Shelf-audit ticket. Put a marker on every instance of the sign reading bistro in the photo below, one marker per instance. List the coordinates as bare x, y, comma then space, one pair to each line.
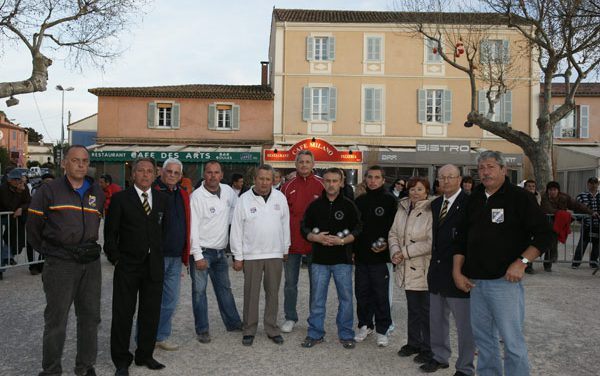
321, 149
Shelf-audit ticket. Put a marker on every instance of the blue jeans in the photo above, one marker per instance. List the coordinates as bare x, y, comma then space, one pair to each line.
218, 270
342, 276
290, 289
170, 297
584, 240
498, 307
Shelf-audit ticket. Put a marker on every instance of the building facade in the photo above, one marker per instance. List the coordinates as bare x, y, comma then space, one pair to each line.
83, 132
365, 81
14, 139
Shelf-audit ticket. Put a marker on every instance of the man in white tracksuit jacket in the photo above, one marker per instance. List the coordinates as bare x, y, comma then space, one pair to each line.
260, 238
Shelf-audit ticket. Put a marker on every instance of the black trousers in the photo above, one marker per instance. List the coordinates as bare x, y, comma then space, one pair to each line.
129, 281
371, 287
418, 320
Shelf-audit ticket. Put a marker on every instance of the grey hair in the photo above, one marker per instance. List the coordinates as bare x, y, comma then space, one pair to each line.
265, 167
492, 154
173, 161
305, 152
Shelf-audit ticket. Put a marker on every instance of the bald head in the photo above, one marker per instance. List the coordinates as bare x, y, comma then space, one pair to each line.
449, 179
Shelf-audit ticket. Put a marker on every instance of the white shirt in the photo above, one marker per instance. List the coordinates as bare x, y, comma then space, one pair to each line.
210, 219
451, 199
139, 193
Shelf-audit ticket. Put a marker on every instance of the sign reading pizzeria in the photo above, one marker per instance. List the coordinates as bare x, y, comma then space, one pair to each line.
321, 149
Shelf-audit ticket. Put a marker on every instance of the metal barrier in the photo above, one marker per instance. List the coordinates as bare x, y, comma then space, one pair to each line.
15, 250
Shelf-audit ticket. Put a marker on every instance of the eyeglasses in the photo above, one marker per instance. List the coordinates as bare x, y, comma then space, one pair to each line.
446, 178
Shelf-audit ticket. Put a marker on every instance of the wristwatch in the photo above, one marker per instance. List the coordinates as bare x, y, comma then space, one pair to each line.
524, 260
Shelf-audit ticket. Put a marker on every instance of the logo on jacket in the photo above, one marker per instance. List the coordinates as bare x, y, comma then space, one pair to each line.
212, 210
379, 211
339, 215
252, 210
92, 201
498, 215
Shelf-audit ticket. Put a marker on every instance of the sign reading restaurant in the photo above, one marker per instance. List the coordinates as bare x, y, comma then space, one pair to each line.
322, 150
186, 157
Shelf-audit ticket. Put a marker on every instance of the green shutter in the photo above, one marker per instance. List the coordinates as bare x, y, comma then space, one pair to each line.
331, 48
483, 103
151, 115
422, 106
447, 107
505, 52
212, 109
306, 110
507, 107
310, 48
584, 119
175, 116
332, 104
235, 117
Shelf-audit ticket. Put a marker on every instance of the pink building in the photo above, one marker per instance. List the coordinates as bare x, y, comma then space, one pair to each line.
14, 139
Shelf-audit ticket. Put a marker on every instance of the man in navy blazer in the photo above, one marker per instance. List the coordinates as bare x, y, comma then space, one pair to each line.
447, 213
133, 244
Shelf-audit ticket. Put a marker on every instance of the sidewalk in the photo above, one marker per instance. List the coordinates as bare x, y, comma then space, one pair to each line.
562, 330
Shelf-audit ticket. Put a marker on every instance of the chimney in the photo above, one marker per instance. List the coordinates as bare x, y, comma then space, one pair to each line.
264, 81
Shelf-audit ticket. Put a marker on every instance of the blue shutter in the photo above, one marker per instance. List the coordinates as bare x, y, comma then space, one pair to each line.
447, 107
175, 116
507, 107
212, 109
332, 104
331, 48
422, 106
377, 95
235, 117
505, 52
310, 48
584, 119
483, 103
151, 115
558, 125
368, 104
306, 110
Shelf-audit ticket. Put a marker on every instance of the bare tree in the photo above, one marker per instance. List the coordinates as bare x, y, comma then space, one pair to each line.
563, 36
87, 31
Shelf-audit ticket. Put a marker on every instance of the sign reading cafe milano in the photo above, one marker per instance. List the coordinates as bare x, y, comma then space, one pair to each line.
161, 156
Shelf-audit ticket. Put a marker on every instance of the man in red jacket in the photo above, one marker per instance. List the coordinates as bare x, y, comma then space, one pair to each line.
109, 188
299, 192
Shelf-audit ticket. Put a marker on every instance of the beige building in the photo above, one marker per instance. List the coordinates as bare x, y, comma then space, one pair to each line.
365, 82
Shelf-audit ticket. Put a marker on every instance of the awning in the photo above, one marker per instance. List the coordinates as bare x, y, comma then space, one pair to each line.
576, 157
185, 153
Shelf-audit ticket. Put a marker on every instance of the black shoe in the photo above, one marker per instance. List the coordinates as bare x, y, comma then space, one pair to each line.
310, 342
90, 372
458, 373
1, 276
433, 365
548, 269
277, 339
151, 363
122, 371
34, 271
423, 357
235, 329
407, 350
247, 340
348, 343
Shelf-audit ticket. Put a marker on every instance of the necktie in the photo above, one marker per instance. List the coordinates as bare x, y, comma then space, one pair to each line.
444, 210
146, 204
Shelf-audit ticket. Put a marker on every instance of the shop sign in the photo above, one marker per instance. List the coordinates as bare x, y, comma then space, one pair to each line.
322, 150
443, 151
186, 157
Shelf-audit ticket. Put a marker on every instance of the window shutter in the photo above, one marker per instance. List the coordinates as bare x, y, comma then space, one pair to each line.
212, 108
422, 106
584, 118
376, 108
483, 104
507, 107
310, 48
306, 104
151, 115
175, 116
505, 52
558, 125
484, 51
447, 107
331, 48
368, 104
235, 117
332, 104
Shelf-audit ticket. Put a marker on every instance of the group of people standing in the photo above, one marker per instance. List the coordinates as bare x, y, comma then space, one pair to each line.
460, 254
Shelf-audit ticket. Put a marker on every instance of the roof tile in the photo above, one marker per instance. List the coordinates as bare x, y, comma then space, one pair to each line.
253, 92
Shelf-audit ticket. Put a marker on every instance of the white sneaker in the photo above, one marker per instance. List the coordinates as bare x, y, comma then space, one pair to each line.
167, 346
382, 340
391, 329
287, 326
362, 334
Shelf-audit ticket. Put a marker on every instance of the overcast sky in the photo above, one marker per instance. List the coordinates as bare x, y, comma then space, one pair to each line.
177, 42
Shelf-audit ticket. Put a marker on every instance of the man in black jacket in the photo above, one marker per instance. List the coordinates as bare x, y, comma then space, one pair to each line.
133, 243
504, 228
448, 211
372, 278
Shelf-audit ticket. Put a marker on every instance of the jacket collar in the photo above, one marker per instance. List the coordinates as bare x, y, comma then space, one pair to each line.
88, 178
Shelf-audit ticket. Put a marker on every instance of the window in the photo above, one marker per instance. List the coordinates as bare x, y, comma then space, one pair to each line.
432, 55
374, 48
502, 108
495, 51
435, 106
575, 124
224, 116
14, 135
320, 48
319, 104
163, 115
373, 104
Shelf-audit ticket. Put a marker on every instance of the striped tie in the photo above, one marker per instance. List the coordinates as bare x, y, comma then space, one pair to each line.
146, 204
444, 210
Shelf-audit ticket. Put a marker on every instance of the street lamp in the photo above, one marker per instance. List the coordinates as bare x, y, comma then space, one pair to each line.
62, 112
